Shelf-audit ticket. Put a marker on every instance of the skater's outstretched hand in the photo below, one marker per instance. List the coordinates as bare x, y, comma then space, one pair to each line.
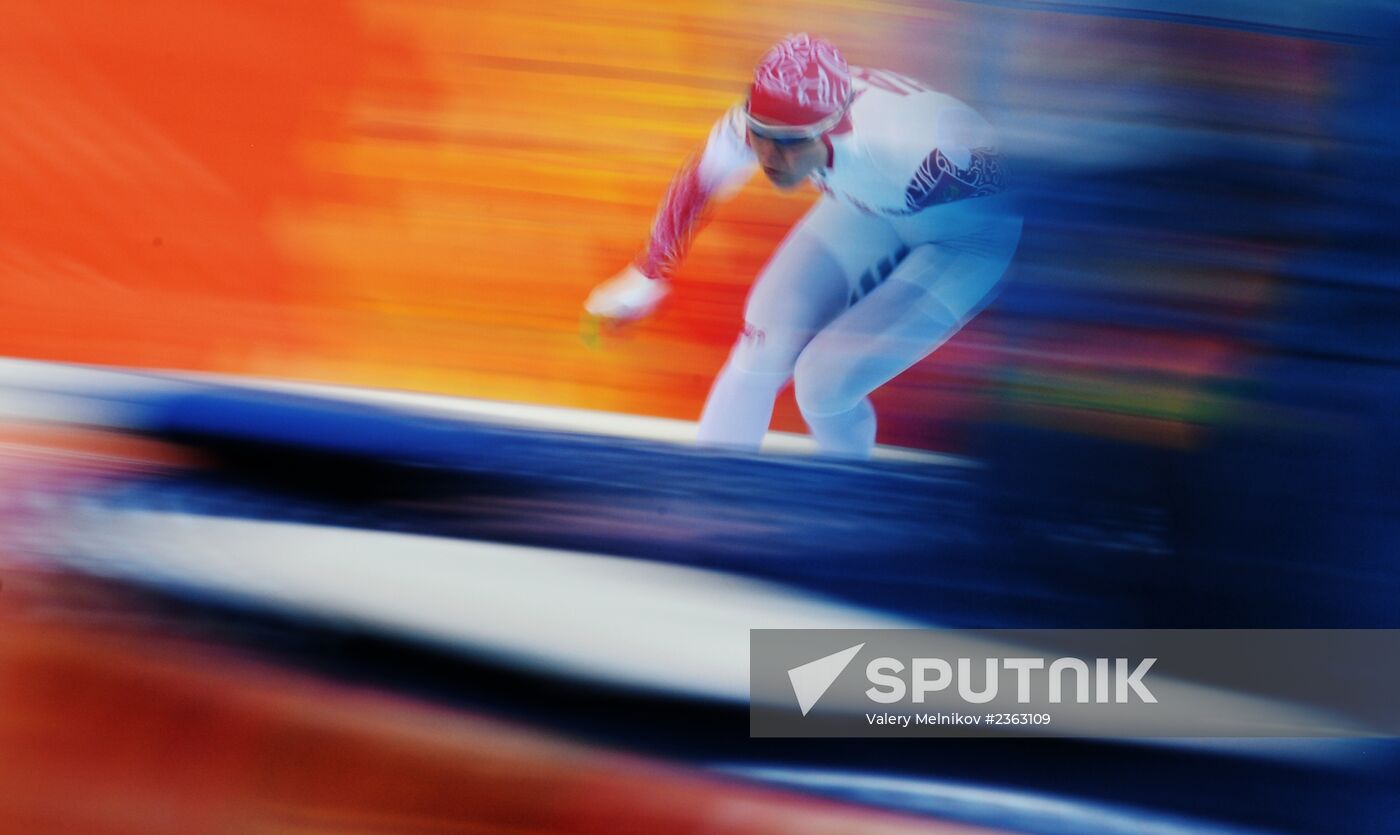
626, 297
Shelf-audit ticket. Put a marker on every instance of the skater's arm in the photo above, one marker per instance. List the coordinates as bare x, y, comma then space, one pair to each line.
724, 165
965, 162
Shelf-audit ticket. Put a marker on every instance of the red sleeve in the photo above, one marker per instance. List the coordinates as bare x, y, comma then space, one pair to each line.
682, 214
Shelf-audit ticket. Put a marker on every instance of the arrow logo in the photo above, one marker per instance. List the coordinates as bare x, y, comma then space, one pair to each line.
811, 680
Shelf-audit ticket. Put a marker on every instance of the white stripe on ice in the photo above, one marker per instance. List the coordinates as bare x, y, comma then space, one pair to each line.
632, 622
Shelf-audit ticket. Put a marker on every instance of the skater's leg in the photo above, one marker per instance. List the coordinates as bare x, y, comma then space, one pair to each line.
802, 289
928, 297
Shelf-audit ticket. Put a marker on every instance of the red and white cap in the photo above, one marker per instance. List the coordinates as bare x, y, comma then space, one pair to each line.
801, 89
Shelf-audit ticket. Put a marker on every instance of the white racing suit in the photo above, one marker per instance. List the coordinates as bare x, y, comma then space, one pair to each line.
913, 231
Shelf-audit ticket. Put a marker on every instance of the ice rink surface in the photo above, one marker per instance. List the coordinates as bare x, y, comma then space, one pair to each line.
490, 561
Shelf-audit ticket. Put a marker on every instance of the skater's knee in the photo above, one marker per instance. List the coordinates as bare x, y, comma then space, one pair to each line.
767, 352
823, 387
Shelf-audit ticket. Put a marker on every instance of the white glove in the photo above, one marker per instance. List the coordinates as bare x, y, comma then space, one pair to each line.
626, 296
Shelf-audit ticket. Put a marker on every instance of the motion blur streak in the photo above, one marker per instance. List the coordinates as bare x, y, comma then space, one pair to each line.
163, 733
1028, 809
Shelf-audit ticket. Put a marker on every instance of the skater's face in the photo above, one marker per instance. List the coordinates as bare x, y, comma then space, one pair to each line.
785, 162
